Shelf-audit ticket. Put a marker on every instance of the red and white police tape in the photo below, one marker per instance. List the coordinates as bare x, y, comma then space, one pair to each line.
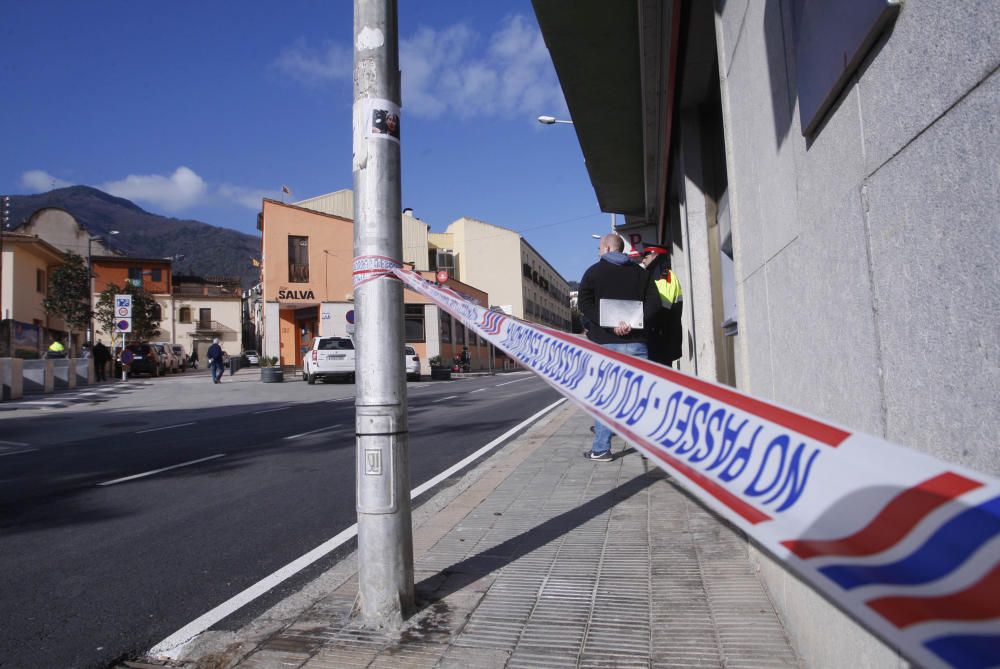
906, 544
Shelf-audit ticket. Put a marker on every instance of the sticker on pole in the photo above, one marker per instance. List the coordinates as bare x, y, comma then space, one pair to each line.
123, 325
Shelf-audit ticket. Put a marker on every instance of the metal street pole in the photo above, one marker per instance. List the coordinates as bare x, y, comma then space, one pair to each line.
385, 540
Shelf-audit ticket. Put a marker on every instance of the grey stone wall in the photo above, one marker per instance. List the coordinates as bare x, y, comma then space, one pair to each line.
867, 258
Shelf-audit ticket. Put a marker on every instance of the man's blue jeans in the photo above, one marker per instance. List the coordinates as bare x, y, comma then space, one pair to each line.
217, 369
602, 433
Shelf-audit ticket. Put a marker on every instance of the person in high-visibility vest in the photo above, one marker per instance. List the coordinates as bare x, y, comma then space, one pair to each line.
666, 335
56, 350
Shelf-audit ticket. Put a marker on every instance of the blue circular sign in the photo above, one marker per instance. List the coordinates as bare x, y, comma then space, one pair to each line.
350, 316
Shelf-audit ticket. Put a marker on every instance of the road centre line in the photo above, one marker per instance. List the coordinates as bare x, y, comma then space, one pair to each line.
162, 469
322, 429
277, 409
507, 383
168, 427
173, 645
477, 391
442, 399
14, 443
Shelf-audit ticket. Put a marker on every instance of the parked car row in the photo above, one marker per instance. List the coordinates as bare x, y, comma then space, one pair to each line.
334, 358
154, 359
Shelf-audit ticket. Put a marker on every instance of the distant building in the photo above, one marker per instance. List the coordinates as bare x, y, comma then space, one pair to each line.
504, 264
307, 288
26, 262
60, 229
203, 308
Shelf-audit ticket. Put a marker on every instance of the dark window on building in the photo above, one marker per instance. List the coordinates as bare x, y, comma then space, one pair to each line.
40, 280
445, 325
413, 322
135, 276
184, 315
157, 312
156, 275
205, 318
298, 259
526, 270
832, 38
459, 333
445, 259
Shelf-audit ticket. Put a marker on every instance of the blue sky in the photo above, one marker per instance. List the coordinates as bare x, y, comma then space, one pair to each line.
198, 109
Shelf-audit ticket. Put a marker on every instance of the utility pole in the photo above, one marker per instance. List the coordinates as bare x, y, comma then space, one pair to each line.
385, 539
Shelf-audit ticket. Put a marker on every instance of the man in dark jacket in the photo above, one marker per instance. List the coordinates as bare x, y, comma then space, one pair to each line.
101, 358
214, 355
615, 277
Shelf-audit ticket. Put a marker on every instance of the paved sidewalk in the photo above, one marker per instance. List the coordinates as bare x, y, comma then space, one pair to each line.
540, 558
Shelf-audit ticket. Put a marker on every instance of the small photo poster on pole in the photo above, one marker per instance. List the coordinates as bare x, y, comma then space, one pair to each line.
384, 115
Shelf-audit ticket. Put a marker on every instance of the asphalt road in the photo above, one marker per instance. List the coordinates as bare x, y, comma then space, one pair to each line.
255, 475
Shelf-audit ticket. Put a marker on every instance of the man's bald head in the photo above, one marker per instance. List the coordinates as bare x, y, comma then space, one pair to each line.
612, 243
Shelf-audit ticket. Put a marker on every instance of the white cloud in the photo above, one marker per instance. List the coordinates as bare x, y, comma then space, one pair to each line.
453, 71
182, 189
246, 197
312, 66
40, 180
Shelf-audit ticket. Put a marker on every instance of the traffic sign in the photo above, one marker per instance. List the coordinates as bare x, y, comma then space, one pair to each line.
442, 275
123, 307
123, 324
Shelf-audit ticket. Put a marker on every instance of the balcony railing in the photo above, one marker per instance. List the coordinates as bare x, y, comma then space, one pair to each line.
211, 327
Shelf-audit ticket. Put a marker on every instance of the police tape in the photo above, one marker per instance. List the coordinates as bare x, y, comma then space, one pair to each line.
906, 544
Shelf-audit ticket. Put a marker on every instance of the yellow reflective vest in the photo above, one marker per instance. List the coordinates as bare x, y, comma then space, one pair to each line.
669, 288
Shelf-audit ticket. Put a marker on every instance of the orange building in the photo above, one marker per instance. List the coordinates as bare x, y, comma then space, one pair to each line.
307, 290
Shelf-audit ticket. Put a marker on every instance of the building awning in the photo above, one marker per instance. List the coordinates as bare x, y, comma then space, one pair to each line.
615, 61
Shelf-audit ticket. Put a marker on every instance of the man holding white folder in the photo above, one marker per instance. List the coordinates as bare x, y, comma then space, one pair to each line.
616, 297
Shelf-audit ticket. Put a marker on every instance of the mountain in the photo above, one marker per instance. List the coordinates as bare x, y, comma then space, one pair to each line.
208, 250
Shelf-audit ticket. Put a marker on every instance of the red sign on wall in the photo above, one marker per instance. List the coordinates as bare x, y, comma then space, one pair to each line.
442, 275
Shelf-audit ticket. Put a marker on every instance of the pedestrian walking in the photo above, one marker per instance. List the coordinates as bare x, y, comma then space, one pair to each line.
215, 362
612, 290
101, 357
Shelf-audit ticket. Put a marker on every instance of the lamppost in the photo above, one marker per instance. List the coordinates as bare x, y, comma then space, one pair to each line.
4, 223
90, 282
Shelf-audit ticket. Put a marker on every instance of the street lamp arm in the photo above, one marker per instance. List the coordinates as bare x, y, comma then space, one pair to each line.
549, 120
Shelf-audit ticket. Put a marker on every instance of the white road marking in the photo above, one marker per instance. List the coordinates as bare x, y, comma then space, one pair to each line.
477, 391
168, 427
270, 410
340, 399
322, 429
23, 450
162, 469
14, 443
507, 383
172, 647
442, 399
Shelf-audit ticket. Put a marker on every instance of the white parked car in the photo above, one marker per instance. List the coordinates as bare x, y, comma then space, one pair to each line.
251, 357
168, 361
412, 362
181, 355
328, 358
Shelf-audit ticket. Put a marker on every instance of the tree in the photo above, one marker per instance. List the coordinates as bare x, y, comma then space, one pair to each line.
145, 311
69, 293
